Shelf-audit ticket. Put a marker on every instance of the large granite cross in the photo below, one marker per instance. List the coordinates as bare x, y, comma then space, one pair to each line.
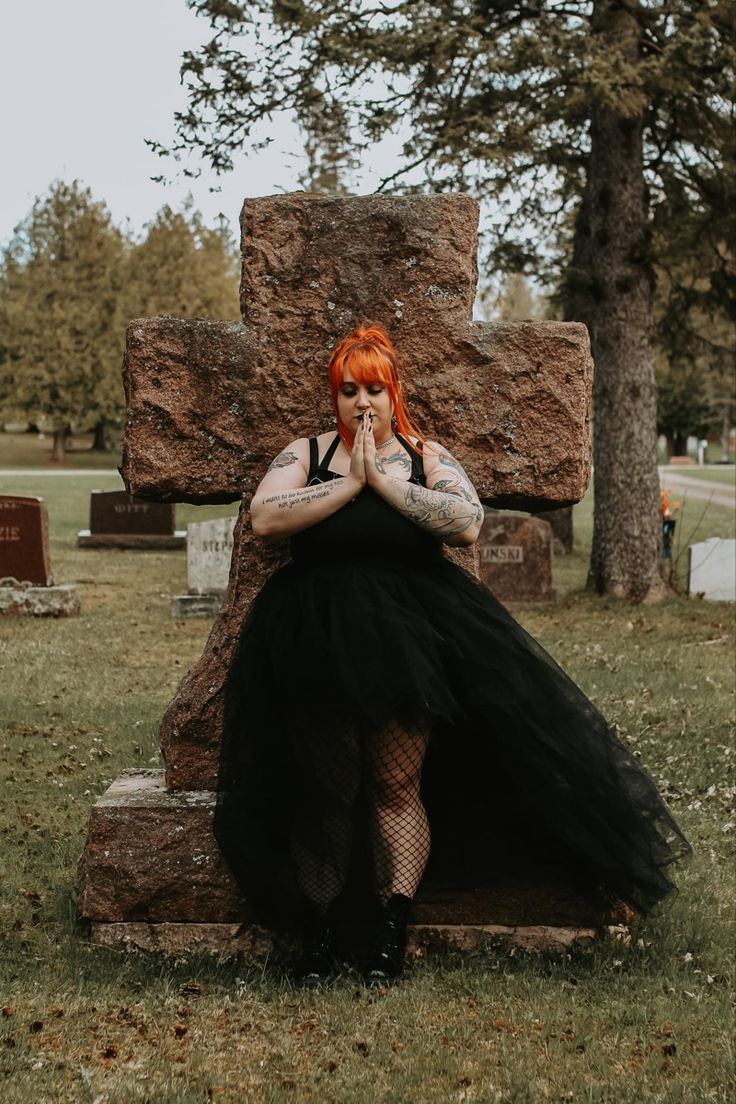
210, 403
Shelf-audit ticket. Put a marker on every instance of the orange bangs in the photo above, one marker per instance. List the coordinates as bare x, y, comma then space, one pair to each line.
371, 358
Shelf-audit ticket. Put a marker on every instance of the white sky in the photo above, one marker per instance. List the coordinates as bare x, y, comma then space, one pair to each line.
83, 82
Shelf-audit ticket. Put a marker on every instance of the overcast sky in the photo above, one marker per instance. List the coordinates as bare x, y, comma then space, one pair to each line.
84, 82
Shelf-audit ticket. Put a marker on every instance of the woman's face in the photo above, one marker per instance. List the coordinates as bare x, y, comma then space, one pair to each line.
355, 399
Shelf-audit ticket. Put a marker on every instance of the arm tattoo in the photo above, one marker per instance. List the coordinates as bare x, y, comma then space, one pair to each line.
447, 508
283, 460
457, 484
300, 496
438, 512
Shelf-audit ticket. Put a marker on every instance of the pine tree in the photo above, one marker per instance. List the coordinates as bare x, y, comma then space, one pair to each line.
516, 301
182, 268
59, 318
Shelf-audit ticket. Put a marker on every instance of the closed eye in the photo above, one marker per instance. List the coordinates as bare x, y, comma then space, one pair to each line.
349, 392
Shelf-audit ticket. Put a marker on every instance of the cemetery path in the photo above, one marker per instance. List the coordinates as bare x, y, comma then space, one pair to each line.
61, 471
718, 494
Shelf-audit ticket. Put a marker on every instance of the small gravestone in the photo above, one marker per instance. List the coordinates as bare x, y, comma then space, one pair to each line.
26, 583
209, 552
712, 569
120, 520
515, 556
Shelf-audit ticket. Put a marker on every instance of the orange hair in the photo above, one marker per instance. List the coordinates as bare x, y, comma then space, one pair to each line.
371, 357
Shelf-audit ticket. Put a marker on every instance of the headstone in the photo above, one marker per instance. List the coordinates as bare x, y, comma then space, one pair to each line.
24, 540
516, 557
712, 569
26, 583
209, 553
120, 520
210, 403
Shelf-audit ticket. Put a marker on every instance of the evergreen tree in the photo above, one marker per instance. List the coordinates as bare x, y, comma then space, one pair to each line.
182, 268
516, 302
59, 317
592, 113
69, 284
683, 409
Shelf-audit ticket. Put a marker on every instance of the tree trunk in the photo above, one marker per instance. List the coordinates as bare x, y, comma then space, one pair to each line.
561, 522
679, 444
612, 284
102, 438
726, 439
59, 451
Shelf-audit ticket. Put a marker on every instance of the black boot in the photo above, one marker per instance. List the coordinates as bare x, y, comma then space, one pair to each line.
386, 959
317, 962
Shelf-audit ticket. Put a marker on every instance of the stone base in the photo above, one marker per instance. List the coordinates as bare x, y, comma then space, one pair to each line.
184, 606
151, 858
144, 541
230, 940
49, 601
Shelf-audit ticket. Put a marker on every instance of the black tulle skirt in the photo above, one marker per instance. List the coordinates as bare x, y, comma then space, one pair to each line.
334, 649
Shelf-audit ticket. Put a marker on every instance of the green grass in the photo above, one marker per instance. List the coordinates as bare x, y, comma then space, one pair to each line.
644, 1019
726, 475
28, 450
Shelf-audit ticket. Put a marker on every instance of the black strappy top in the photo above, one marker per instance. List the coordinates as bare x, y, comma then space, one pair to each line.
320, 471
367, 528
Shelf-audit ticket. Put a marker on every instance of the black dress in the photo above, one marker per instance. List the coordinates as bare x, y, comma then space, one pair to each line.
370, 625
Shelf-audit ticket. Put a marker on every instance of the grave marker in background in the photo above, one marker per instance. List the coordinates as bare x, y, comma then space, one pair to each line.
516, 557
209, 552
711, 569
120, 520
24, 540
25, 566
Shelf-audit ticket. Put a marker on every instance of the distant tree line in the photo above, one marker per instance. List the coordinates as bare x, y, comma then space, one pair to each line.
70, 281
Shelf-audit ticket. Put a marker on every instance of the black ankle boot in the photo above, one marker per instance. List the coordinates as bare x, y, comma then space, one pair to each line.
317, 962
386, 959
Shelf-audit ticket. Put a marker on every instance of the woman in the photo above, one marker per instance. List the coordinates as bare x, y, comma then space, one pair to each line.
382, 700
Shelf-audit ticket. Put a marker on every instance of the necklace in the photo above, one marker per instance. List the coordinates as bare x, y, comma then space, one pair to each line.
387, 441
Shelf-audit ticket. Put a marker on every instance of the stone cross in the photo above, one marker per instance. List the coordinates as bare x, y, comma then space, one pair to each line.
210, 403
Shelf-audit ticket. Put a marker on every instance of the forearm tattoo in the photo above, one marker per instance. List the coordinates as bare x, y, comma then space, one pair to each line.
299, 497
447, 508
440, 513
283, 460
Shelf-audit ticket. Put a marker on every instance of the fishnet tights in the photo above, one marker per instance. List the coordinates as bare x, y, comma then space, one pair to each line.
399, 829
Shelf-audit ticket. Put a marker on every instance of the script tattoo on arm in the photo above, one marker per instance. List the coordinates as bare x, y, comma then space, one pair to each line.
299, 497
283, 460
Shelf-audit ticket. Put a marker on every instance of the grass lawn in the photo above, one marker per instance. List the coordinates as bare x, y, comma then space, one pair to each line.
29, 450
726, 475
645, 1018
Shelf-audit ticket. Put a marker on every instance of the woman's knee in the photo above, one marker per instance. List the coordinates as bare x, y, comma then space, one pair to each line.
396, 759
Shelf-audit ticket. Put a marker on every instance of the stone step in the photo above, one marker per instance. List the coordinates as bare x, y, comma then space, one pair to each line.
151, 858
230, 940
